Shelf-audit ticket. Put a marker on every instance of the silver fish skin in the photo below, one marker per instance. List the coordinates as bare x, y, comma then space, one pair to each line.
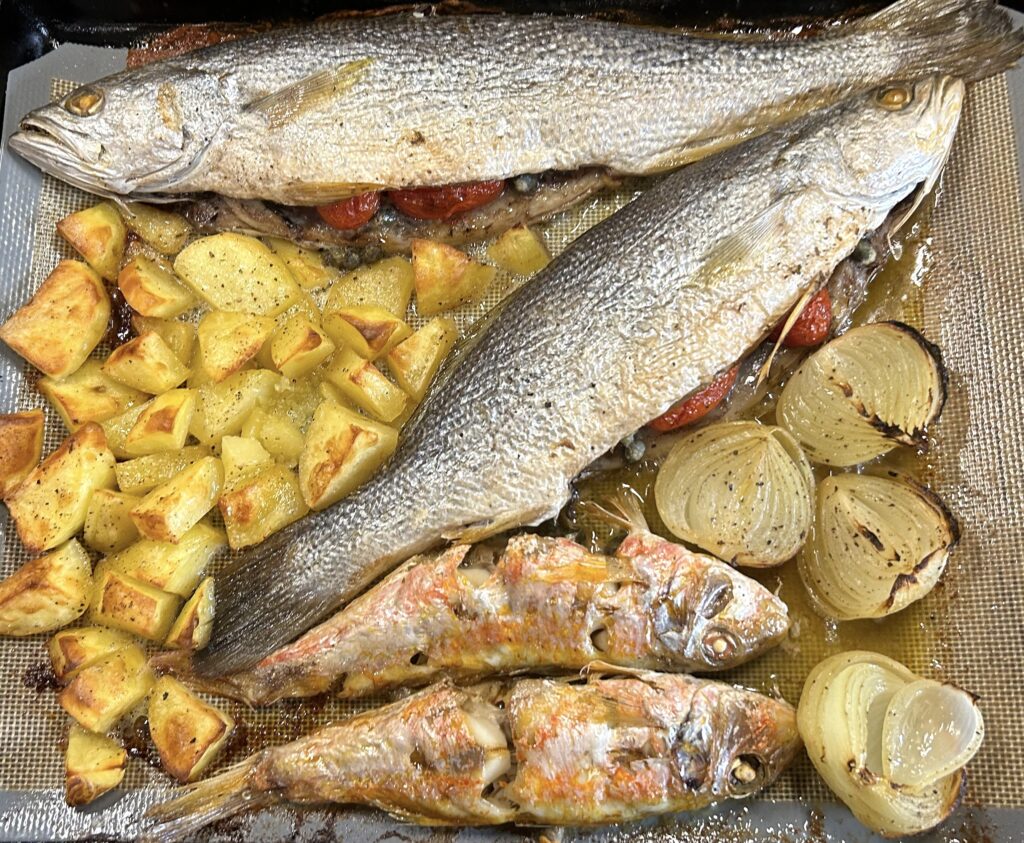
532, 752
312, 114
644, 308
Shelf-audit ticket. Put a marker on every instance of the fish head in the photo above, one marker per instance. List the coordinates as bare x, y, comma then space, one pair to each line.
136, 133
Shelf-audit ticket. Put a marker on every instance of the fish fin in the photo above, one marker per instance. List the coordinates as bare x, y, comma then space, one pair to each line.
299, 97
620, 510
323, 193
787, 326
735, 252
590, 568
597, 669
480, 530
971, 39
179, 664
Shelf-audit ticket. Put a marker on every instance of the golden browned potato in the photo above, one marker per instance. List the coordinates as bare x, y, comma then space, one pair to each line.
307, 267
176, 568
363, 384
343, 449
72, 649
414, 362
46, 593
445, 278
386, 283
276, 433
188, 733
179, 336
100, 694
367, 330
174, 507
108, 524
151, 289
98, 235
144, 474
243, 457
520, 250
227, 341
93, 764
192, 629
298, 347
50, 505
146, 363
21, 446
163, 425
261, 506
116, 429
223, 407
63, 322
164, 231
124, 602
88, 395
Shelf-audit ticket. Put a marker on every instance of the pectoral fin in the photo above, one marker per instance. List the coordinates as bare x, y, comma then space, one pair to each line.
737, 252
309, 93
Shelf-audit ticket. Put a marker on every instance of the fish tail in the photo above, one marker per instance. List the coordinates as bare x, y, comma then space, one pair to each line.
971, 39
179, 663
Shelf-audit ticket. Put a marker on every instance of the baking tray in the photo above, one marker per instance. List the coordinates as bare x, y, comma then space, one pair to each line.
971, 257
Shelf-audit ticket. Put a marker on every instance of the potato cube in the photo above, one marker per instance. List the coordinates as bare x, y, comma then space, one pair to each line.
63, 322
307, 266
369, 331
223, 407
192, 629
88, 395
281, 438
179, 336
261, 506
187, 732
386, 284
176, 568
227, 341
93, 764
298, 347
100, 694
124, 602
116, 429
108, 524
243, 457
163, 425
46, 593
445, 278
146, 363
363, 384
520, 250
98, 235
72, 649
50, 505
415, 361
144, 474
21, 446
343, 449
174, 507
164, 231
151, 289
296, 400
237, 273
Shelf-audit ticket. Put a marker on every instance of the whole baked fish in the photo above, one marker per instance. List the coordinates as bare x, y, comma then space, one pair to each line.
532, 751
646, 307
540, 604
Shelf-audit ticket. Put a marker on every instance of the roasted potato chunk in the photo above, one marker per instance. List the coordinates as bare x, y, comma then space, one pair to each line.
124, 602
146, 363
63, 322
363, 384
237, 273
50, 505
163, 425
46, 593
179, 336
151, 289
108, 524
227, 341
445, 278
343, 449
261, 506
100, 694
98, 235
21, 446
275, 432
369, 331
116, 429
243, 457
93, 764
386, 284
298, 347
188, 733
307, 266
520, 250
223, 407
192, 629
144, 474
164, 231
176, 568
88, 395
174, 507
72, 649
415, 361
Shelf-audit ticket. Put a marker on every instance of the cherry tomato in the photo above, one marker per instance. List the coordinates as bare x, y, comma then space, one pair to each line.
352, 212
443, 203
811, 326
698, 405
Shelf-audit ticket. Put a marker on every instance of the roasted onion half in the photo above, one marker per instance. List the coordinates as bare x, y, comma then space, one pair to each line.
868, 390
741, 490
878, 543
864, 717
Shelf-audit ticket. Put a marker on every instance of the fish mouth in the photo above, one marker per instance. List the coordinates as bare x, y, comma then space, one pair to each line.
58, 150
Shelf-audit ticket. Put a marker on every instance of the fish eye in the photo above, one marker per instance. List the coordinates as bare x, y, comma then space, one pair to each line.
85, 101
719, 644
895, 97
746, 774
717, 596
